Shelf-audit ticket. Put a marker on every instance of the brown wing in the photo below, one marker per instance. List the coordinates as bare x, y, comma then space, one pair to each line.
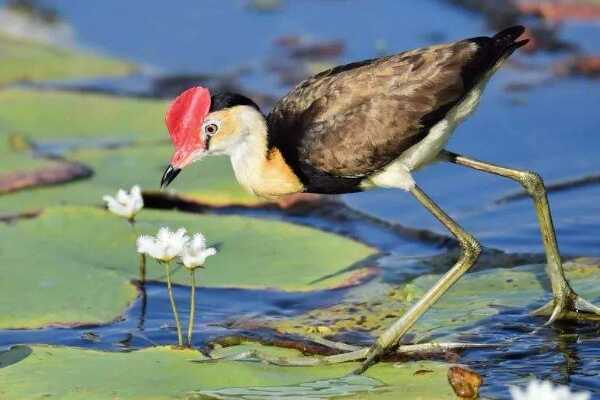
353, 120
359, 120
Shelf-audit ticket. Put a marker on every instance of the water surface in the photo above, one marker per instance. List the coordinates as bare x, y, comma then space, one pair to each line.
551, 128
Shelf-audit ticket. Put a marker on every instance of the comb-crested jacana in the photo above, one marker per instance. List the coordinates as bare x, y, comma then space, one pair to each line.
368, 124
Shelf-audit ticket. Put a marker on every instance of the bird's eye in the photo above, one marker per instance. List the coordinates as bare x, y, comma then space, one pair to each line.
211, 129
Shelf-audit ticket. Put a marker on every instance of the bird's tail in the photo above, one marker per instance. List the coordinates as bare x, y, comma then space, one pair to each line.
491, 54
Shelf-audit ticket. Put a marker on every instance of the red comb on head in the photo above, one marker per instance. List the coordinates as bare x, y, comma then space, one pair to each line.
185, 117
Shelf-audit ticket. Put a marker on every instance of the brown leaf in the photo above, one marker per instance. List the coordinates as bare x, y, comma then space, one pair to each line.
464, 382
57, 172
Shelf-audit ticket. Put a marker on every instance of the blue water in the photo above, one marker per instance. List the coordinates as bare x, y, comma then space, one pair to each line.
551, 128
150, 322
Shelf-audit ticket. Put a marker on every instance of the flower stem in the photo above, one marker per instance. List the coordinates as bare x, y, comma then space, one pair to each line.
192, 307
142, 265
173, 305
142, 262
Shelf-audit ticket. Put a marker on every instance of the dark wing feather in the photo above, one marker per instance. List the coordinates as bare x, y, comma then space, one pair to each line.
353, 120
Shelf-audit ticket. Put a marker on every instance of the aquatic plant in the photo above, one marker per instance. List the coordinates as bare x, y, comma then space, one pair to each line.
164, 247
125, 204
194, 256
128, 205
545, 390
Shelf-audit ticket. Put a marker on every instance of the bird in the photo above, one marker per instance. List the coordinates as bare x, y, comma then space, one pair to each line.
365, 125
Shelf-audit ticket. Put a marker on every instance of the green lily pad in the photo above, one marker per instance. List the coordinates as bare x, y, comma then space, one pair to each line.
76, 263
43, 116
210, 181
476, 296
253, 253
163, 373
18, 162
28, 60
59, 290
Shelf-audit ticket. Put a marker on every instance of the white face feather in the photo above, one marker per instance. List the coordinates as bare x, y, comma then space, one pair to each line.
243, 137
235, 125
248, 152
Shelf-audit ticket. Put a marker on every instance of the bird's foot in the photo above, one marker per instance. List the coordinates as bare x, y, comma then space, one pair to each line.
348, 353
568, 306
355, 353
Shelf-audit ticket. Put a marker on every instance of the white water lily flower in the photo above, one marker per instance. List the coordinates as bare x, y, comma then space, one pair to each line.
545, 390
125, 204
195, 252
165, 246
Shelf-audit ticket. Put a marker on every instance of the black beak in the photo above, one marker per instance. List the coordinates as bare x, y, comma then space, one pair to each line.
170, 174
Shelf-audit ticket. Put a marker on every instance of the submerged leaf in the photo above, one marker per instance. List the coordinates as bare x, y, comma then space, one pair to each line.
476, 296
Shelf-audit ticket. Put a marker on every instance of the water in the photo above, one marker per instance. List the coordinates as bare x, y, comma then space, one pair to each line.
220, 36
551, 128
149, 321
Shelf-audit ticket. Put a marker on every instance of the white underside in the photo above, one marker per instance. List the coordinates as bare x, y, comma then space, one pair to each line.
398, 173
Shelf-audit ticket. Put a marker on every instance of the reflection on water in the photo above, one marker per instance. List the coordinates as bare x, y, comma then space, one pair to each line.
150, 319
567, 353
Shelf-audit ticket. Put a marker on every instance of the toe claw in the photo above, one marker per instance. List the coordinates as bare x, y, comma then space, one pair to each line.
372, 357
568, 307
582, 305
557, 312
544, 310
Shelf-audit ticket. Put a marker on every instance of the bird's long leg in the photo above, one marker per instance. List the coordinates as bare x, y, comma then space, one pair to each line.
470, 252
565, 303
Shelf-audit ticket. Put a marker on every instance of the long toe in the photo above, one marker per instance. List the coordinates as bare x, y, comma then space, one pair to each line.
372, 357
570, 307
582, 305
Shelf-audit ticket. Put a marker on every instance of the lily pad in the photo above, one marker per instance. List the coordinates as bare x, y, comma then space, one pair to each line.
76, 263
163, 373
31, 61
60, 290
18, 162
44, 116
210, 181
477, 296
39, 173
253, 253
